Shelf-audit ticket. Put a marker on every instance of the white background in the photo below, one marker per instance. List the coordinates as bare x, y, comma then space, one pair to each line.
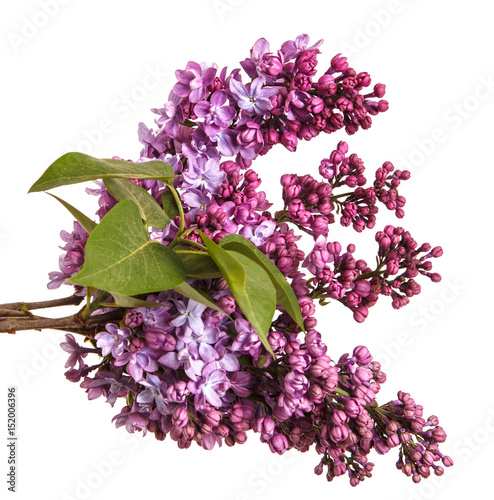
73, 78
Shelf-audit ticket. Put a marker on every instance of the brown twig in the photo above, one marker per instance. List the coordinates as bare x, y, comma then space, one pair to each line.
29, 306
12, 323
4, 313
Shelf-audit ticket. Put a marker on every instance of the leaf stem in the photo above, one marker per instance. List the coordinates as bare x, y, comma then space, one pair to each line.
178, 202
94, 305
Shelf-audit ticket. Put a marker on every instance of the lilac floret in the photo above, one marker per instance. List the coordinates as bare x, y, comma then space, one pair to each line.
252, 97
114, 340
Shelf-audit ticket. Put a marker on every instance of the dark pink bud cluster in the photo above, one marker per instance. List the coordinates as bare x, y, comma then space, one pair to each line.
401, 260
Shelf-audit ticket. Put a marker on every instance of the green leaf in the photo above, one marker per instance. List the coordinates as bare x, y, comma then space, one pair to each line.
198, 265
151, 212
72, 168
83, 220
129, 302
285, 295
249, 284
169, 204
197, 295
120, 258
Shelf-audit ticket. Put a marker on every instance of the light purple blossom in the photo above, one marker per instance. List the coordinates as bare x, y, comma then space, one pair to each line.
247, 340
155, 392
240, 382
186, 356
114, 340
192, 81
216, 115
204, 174
317, 259
189, 315
108, 383
210, 387
76, 351
132, 419
252, 64
258, 234
137, 362
74, 256
252, 97
226, 140
292, 48
197, 201
171, 115
154, 317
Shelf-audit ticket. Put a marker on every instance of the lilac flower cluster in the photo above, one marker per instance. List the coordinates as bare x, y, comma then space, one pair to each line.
74, 256
196, 374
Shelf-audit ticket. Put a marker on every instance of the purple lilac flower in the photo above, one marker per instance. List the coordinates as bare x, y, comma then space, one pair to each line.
252, 97
290, 400
155, 392
292, 48
192, 81
210, 387
114, 340
216, 115
199, 145
137, 362
258, 234
76, 351
189, 315
240, 382
72, 260
186, 356
247, 340
252, 64
133, 419
154, 317
111, 384
197, 201
226, 140
204, 174
171, 115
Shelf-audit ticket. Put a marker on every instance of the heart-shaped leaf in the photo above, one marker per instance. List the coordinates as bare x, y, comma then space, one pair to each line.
72, 168
249, 284
285, 295
151, 212
120, 257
